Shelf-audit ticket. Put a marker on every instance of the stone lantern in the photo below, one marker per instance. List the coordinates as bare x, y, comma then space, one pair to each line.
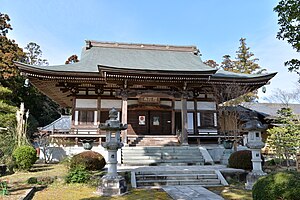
254, 143
112, 184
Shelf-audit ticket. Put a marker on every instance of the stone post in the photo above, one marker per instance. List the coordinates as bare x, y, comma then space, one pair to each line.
112, 184
254, 142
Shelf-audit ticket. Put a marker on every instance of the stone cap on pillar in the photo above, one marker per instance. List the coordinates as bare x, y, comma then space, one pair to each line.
113, 124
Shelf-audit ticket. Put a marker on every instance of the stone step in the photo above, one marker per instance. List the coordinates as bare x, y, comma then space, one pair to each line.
153, 140
159, 157
203, 182
166, 156
174, 172
161, 148
176, 176
183, 153
158, 161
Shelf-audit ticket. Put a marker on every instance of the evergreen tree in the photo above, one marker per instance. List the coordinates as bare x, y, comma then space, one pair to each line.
289, 20
227, 64
7, 124
285, 138
10, 78
34, 55
245, 62
9, 50
7, 109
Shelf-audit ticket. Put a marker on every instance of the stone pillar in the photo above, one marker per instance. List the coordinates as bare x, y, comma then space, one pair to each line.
124, 118
184, 124
254, 142
112, 184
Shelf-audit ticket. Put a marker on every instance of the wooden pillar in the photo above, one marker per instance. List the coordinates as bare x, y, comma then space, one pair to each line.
124, 118
173, 118
184, 131
73, 110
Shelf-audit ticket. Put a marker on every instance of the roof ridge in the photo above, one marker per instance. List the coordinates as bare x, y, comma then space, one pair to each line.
93, 43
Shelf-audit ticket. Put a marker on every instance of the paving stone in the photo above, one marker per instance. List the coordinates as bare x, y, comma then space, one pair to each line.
191, 192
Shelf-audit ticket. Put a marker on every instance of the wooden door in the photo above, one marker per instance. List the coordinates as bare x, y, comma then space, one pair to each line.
139, 121
150, 122
160, 122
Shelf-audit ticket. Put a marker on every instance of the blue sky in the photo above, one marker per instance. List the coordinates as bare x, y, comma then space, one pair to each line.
215, 27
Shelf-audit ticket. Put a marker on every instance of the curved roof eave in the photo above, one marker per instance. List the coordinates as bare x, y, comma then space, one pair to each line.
43, 70
224, 75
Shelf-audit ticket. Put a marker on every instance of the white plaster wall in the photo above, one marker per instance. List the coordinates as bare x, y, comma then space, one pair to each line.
205, 105
59, 153
167, 103
108, 103
132, 102
86, 103
190, 105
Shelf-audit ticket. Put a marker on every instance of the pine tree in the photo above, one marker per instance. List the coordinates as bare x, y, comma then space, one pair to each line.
34, 55
285, 138
245, 62
227, 64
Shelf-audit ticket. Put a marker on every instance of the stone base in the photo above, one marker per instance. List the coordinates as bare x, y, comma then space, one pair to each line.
225, 156
251, 178
112, 186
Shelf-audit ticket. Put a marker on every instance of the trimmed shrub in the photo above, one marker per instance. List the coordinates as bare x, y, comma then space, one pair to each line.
90, 160
241, 160
78, 175
25, 157
281, 185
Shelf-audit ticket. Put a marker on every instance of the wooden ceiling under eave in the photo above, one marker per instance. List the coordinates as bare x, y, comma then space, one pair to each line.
48, 87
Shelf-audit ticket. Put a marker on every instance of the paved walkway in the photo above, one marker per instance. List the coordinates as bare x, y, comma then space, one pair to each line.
190, 192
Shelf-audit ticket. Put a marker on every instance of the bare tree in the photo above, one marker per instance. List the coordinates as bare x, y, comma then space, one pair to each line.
284, 97
228, 99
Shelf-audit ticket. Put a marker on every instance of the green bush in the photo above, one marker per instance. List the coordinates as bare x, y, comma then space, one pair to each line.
78, 175
25, 157
32, 180
42, 180
241, 160
281, 185
90, 160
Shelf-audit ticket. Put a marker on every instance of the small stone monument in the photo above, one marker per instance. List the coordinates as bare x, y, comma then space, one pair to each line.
254, 142
112, 184
228, 144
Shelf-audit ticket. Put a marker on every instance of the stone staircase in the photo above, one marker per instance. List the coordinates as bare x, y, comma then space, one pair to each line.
205, 178
153, 140
162, 156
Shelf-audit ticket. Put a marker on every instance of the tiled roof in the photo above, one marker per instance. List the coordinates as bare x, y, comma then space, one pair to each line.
270, 109
151, 57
